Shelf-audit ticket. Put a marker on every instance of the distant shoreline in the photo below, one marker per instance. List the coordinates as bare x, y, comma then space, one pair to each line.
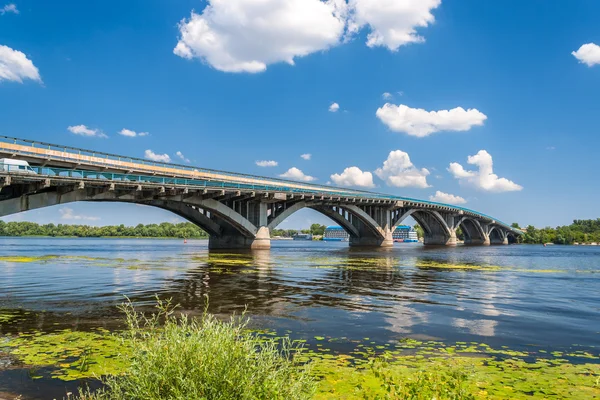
98, 237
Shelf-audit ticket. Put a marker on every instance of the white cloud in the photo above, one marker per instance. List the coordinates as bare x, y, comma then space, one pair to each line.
334, 107
399, 171
130, 133
447, 198
588, 54
15, 66
484, 178
353, 176
183, 158
150, 155
392, 23
9, 8
420, 123
296, 174
248, 35
306, 156
83, 130
68, 214
387, 96
267, 163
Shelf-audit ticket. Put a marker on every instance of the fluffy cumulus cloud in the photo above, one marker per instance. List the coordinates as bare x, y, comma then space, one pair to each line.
83, 130
306, 156
447, 198
15, 66
297, 175
130, 133
182, 157
248, 35
9, 8
420, 123
69, 214
588, 54
267, 163
334, 107
353, 176
392, 23
150, 155
399, 171
484, 178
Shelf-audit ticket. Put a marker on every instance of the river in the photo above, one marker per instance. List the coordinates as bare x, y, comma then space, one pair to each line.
523, 297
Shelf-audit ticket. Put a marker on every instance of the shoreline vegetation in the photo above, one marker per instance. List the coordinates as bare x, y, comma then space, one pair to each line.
580, 232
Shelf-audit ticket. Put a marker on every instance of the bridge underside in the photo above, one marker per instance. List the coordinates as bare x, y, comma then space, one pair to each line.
237, 219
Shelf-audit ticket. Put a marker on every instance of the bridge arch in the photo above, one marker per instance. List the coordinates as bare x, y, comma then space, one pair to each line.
435, 227
211, 216
362, 227
473, 231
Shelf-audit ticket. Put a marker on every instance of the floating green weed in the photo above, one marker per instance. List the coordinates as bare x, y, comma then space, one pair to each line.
27, 259
74, 354
411, 369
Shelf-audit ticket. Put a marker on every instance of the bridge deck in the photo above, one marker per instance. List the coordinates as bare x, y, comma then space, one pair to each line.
65, 163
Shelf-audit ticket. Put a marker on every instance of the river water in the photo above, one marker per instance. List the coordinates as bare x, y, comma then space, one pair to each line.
518, 296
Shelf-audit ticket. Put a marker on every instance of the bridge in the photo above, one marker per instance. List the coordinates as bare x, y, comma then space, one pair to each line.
236, 210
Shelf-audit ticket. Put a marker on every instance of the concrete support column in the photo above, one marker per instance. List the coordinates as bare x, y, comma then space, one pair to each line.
478, 241
499, 241
237, 241
370, 240
440, 239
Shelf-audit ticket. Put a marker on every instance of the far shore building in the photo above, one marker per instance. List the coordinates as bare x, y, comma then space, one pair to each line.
402, 233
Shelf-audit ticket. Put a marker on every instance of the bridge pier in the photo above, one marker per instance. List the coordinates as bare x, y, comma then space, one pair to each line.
373, 241
477, 241
236, 241
441, 239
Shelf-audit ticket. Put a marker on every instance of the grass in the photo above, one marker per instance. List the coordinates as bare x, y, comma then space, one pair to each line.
176, 357
170, 356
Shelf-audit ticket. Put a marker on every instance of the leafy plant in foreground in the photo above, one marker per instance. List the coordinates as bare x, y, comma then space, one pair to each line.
177, 357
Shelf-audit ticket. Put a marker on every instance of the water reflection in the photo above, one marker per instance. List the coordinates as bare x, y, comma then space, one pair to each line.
496, 294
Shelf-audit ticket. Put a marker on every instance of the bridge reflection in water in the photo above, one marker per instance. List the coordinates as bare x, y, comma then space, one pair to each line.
237, 211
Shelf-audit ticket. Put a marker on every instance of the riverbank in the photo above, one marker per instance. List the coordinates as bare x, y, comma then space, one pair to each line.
350, 309
134, 362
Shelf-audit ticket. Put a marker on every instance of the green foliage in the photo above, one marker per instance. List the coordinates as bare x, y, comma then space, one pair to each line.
420, 231
580, 231
424, 384
317, 229
284, 232
176, 357
163, 230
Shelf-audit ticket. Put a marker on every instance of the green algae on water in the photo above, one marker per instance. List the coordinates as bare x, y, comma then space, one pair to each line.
72, 354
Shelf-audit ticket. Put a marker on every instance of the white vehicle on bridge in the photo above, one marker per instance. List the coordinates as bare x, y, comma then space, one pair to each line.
13, 165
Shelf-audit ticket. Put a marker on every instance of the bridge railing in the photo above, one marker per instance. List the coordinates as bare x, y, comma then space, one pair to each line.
212, 184
106, 160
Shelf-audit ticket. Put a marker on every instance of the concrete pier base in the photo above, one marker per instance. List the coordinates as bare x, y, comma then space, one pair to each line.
371, 241
477, 242
262, 241
440, 240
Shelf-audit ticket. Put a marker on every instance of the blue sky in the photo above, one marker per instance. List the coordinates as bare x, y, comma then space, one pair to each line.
462, 77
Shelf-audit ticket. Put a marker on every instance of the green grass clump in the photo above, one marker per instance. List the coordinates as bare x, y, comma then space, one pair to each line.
176, 357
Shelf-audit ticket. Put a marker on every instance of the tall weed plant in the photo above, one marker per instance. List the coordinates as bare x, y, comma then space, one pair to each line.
177, 357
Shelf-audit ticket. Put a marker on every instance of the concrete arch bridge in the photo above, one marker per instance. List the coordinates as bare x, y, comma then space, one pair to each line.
236, 210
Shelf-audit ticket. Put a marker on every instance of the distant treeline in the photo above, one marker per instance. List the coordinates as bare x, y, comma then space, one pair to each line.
580, 231
163, 230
